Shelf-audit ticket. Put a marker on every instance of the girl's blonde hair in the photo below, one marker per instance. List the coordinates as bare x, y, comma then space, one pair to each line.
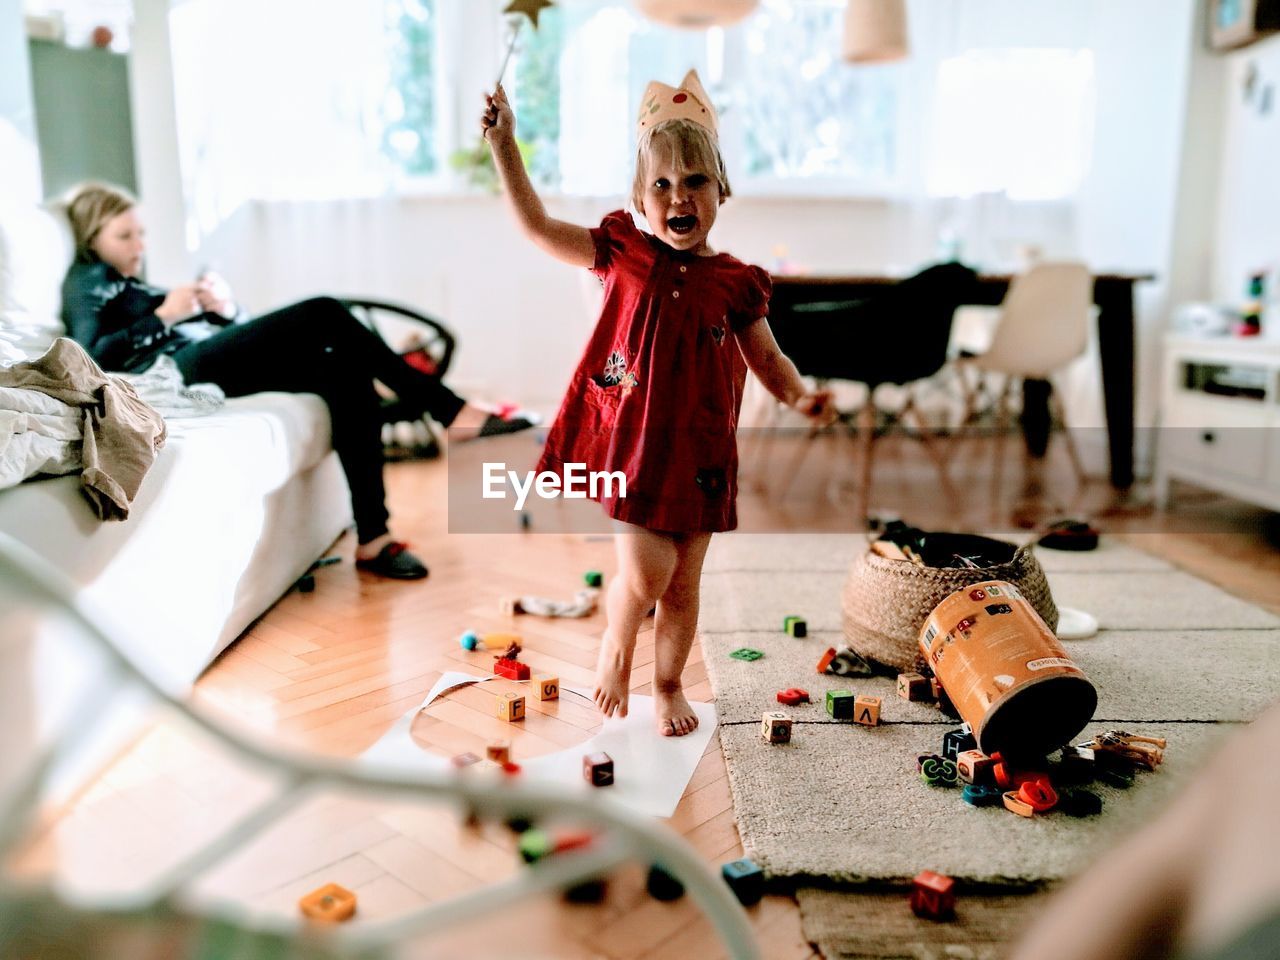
692, 146
90, 207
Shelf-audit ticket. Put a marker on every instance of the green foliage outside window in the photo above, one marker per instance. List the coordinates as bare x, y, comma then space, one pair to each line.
536, 94
410, 108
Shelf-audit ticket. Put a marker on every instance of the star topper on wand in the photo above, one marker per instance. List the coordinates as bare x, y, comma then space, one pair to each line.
516, 8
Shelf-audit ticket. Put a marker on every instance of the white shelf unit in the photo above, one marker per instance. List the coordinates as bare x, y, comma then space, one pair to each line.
1220, 418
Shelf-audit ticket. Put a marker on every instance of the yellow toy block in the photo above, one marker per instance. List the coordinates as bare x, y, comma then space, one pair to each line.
329, 904
866, 710
546, 688
510, 707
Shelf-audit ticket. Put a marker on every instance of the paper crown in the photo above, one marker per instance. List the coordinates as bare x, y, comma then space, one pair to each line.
686, 102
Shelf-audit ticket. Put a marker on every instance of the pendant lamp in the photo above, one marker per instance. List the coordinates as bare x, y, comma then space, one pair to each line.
875, 31
696, 14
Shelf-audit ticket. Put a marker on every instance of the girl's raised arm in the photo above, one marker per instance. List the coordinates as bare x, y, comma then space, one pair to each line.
564, 241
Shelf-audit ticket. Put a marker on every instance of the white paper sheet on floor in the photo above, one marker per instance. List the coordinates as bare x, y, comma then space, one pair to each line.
650, 771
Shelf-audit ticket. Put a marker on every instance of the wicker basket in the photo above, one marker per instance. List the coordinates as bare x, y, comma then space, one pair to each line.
886, 602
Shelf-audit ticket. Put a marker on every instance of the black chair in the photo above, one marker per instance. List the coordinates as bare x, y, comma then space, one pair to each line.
425, 343
900, 336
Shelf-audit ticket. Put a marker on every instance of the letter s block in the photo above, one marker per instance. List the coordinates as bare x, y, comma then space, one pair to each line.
546, 688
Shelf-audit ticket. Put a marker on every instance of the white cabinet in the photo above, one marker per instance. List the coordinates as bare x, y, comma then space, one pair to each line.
1220, 418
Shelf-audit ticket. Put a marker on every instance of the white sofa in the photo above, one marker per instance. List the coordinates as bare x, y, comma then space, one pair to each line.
237, 506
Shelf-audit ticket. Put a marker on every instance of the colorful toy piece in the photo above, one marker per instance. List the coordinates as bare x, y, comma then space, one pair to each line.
597, 769
469, 641
662, 885
913, 687
328, 904
795, 627
745, 879
866, 710
826, 659
1015, 804
939, 772
793, 695
499, 751
981, 795
1038, 795
775, 727
546, 688
840, 704
746, 653
1079, 803
593, 578
534, 845
511, 669
974, 766
495, 641
848, 664
933, 896
955, 742
510, 707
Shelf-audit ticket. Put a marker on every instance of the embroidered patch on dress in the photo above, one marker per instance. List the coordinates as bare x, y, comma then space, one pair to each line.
615, 368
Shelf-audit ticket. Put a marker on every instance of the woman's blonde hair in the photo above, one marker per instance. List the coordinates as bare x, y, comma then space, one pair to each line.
691, 145
90, 207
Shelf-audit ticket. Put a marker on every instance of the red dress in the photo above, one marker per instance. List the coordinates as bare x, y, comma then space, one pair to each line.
657, 393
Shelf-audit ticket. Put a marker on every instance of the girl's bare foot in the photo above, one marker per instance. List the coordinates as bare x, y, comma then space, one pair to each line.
675, 716
613, 679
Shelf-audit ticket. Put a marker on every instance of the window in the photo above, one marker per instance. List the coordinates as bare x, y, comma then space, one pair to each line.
409, 111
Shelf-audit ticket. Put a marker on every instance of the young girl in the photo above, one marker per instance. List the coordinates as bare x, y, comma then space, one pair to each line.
658, 390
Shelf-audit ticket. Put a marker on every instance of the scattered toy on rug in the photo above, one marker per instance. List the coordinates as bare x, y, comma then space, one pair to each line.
843, 663
793, 695
328, 904
746, 653
795, 626
775, 727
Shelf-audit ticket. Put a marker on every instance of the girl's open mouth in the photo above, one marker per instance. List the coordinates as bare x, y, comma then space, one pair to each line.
682, 225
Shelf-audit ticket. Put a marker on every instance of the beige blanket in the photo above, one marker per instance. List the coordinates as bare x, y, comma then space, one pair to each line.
120, 433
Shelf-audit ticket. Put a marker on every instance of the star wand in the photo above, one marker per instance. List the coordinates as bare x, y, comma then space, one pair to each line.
530, 9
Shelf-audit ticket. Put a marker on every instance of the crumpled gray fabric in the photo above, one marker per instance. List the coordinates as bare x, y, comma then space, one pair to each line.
162, 387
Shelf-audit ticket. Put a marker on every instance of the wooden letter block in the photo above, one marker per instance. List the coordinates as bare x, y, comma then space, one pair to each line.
329, 904
499, 751
745, 879
597, 769
955, 742
840, 704
775, 727
866, 710
933, 896
510, 707
913, 687
974, 766
546, 688
795, 627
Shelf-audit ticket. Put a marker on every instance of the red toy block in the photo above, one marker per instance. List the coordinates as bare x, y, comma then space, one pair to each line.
933, 896
793, 695
511, 669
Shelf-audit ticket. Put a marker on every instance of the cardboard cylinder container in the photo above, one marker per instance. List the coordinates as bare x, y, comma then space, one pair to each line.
1005, 671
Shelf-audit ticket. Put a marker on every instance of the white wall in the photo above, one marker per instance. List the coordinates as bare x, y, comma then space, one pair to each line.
1248, 226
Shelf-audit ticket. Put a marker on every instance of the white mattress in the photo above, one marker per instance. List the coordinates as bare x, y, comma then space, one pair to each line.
236, 507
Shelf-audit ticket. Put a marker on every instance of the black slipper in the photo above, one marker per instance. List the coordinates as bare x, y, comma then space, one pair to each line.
1070, 535
395, 562
495, 425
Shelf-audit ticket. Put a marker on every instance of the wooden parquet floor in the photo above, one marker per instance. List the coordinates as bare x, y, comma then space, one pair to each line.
330, 671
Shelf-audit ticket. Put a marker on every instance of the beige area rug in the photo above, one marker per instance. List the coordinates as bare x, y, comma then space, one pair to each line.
842, 804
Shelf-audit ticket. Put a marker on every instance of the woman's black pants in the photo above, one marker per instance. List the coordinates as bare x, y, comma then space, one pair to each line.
317, 346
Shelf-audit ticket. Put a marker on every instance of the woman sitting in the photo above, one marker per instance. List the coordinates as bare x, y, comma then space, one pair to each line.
315, 346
